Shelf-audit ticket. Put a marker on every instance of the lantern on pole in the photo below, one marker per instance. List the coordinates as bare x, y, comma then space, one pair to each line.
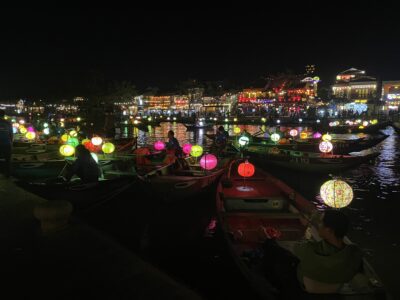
208, 161
159, 145
245, 170
196, 151
187, 148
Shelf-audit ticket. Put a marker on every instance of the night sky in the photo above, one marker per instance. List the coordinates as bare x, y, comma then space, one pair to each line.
59, 53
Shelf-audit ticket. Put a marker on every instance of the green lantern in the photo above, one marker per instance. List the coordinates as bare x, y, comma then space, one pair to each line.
196, 151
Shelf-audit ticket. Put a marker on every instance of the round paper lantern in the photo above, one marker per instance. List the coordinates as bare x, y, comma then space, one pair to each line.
73, 133
336, 193
293, 132
31, 129
22, 129
196, 151
46, 131
67, 150
84, 141
45, 125
317, 135
159, 145
360, 127
244, 140
73, 141
303, 135
236, 130
15, 130
97, 140
16, 125
187, 148
325, 147
64, 137
95, 157
246, 169
208, 161
275, 137
108, 148
365, 123
30, 135
326, 137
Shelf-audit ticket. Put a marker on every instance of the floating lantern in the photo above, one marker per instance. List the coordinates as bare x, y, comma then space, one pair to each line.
84, 141
244, 140
30, 135
73, 133
196, 151
108, 148
67, 150
336, 193
64, 137
236, 130
187, 148
46, 131
95, 157
293, 132
275, 137
326, 137
97, 140
325, 147
208, 161
246, 169
317, 135
73, 141
303, 135
159, 145
22, 129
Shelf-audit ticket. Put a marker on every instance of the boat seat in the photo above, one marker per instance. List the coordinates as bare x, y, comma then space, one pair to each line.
255, 204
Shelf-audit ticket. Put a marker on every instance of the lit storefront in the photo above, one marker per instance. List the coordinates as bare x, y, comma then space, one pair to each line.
158, 103
391, 94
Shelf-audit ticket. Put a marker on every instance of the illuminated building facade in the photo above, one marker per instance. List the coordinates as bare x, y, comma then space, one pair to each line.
159, 103
354, 86
391, 94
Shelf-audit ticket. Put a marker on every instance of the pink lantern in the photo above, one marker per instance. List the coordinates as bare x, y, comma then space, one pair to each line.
208, 161
317, 135
31, 129
187, 148
293, 132
159, 145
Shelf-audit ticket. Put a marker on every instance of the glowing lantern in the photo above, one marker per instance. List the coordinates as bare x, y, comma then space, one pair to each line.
30, 135
64, 137
159, 145
22, 129
187, 148
360, 127
244, 140
336, 193
73, 133
317, 135
73, 141
21, 122
263, 120
108, 148
196, 151
46, 131
45, 125
275, 137
234, 119
246, 169
236, 130
325, 147
365, 123
293, 132
84, 141
97, 140
15, 125
67, 150
208, 161
303, 135
15, 130
31, 129
374, 121
95, 157
326, 137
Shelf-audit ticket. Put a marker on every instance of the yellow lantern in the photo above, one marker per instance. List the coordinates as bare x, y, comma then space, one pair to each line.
67, 150
97, 140
326, 137
30, 135
64, 137
22, 129
73, 133
336, 193
196, 151
303, 135
108, 148
84, 141
236, 130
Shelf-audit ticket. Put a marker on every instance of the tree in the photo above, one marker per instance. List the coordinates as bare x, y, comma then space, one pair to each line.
120, 91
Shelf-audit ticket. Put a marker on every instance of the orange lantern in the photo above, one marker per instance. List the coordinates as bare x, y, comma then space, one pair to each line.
246, 169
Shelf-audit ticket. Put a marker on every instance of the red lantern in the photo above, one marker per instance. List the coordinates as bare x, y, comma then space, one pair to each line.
246, 169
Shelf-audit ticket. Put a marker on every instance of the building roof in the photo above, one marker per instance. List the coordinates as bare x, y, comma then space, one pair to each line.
352, 71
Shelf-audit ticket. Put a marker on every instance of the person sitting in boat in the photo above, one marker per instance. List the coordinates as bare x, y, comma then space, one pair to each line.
85, 167
173, 144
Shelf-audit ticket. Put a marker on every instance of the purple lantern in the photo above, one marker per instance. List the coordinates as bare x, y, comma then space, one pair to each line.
317, 135
31, 129
208, 161
159, 145
187, 148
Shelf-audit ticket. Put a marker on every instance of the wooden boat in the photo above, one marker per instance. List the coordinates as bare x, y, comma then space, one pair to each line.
172, 183
307, 161
396, 126
262, 201
34, 151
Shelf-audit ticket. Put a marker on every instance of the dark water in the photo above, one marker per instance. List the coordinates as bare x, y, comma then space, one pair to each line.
173, 236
